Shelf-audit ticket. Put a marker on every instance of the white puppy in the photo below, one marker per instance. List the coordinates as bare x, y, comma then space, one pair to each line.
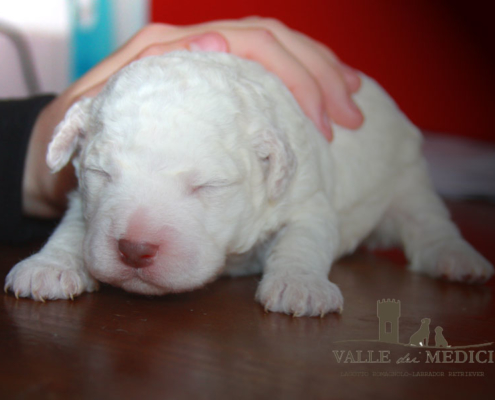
194, 164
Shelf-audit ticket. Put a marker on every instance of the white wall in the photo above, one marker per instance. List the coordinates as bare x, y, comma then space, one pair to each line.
45, 25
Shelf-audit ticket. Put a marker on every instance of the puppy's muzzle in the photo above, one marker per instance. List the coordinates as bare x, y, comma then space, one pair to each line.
137, 254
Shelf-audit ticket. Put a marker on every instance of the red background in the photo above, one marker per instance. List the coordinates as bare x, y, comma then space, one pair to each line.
435, 57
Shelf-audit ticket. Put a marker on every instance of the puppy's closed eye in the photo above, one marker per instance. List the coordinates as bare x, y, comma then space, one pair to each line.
100, 173
210, 187
95, 180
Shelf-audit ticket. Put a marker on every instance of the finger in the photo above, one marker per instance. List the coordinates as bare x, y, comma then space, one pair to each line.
262, 46
338, 100
351, 77
209, 41
337, 81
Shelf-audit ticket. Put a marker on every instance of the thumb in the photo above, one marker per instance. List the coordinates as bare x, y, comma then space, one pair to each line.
209, 41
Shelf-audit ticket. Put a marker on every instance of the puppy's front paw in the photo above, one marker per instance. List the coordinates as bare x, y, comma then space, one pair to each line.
42, 277
299, 294
455, 260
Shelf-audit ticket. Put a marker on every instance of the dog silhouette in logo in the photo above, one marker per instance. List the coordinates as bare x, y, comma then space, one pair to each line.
420, 337
440, 341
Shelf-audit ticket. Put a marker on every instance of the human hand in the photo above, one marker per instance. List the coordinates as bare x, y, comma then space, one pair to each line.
319, 81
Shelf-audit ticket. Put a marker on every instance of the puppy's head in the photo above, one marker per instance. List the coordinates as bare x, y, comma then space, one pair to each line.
177, 164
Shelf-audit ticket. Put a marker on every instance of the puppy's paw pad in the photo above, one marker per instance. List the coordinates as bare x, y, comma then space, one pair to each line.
42, 278
299, 295
454, 260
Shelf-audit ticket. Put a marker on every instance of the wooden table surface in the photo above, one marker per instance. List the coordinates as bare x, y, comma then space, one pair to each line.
217, 343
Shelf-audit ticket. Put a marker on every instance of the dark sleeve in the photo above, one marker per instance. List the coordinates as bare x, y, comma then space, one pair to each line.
17, 118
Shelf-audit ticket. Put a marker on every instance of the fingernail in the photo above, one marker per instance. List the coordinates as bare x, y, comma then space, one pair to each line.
326, 126
208, 42
351, 77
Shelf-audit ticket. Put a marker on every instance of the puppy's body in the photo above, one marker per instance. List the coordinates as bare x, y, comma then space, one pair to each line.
191, 164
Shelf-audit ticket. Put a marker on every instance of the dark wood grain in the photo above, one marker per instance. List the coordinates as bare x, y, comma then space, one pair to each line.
217, 343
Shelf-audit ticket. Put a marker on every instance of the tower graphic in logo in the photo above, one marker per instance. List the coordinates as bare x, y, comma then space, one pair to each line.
388, 313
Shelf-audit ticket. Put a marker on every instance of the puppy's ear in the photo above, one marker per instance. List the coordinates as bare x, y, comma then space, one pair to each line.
272, 147
68, 135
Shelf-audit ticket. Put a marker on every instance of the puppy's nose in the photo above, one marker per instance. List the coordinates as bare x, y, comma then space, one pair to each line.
137, 254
